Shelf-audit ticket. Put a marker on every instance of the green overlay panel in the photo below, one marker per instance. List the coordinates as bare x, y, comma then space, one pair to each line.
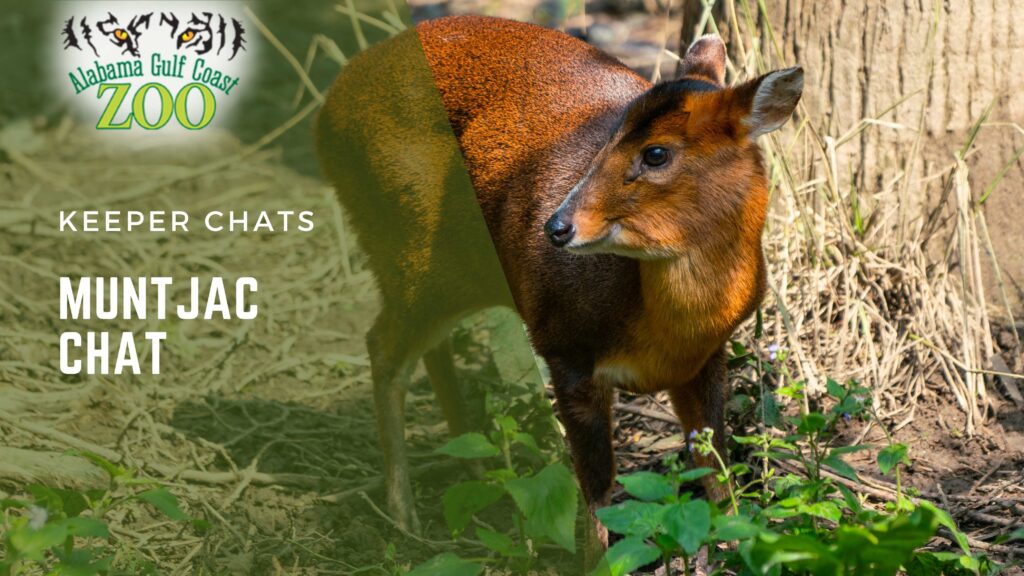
285, 383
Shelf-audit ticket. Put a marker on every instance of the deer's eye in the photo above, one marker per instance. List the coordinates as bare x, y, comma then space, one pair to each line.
655, 156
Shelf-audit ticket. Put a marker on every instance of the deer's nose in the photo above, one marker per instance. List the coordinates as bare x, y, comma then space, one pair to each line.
558, 230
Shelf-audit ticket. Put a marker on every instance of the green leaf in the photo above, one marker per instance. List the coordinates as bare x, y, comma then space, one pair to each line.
501, 543
548, 500
163, 501
86, 527
891, 456
507, 424
69, 502
32, 543
748, 439
740, 356
970, 563
6, 503
500, 475
80, 562
827, 510
776, 512
836, 463
528, 441
626, 556
112, 470
694, 474
648, 486
783, 484
795, 390
462, 501
738, 349
888, 544
46, 497
469, 446
446, 564
944, 519
786, 443
739, 469
201, 526
688, 524
850, 498
632, 518
811, 423
925, 563
799, 553
734, 528
835, 389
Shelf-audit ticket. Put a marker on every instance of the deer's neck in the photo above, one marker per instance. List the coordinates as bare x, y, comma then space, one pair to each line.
703, 294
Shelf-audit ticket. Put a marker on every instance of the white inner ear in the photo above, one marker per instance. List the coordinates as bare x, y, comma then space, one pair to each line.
775, 100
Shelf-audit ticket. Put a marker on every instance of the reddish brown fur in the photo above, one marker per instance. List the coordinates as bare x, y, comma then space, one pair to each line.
674, 261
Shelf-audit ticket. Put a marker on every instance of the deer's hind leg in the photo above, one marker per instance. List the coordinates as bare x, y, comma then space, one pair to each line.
440, 365
396, 341
393, 353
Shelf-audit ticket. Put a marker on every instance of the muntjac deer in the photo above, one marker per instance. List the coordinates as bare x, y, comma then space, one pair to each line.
627, 219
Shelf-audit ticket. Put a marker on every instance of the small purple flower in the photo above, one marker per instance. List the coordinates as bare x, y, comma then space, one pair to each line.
846, 416
691, 444
773, 351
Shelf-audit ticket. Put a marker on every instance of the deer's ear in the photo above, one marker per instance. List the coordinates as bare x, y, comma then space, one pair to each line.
771, 99
705, 59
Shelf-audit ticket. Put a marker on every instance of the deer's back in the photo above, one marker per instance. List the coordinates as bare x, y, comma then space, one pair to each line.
530, 107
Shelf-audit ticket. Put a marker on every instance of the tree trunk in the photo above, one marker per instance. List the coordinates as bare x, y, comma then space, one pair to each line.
928, 71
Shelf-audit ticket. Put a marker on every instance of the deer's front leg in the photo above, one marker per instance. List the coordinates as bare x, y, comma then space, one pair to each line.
701, 404
585, 411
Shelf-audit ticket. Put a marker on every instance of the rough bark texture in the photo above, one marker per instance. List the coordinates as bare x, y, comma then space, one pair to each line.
946, 61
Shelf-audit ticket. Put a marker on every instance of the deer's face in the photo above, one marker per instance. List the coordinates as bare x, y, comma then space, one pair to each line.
683, 164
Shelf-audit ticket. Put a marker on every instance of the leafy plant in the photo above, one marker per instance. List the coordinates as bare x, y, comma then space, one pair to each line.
793, 510
784, 523
523, 501
63, 532
545, 500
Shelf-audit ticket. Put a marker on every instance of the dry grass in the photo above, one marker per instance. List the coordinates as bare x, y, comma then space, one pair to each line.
252, 464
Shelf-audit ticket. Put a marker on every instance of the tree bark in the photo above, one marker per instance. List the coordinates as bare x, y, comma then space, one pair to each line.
929, 70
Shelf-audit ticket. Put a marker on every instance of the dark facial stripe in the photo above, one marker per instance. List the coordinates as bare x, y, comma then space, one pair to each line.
657, 101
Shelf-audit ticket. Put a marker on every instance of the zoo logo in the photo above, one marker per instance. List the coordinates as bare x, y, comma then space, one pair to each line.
203, 37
